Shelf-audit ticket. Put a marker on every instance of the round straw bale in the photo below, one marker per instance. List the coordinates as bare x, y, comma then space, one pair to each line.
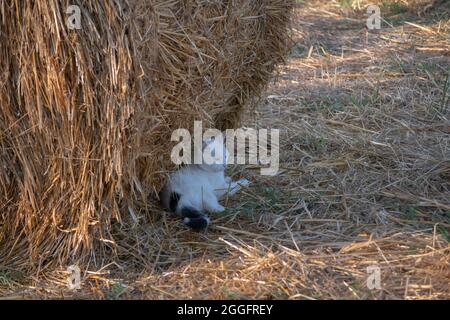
87, 114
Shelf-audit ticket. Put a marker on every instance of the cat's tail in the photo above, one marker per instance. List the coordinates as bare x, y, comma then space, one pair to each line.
194, 218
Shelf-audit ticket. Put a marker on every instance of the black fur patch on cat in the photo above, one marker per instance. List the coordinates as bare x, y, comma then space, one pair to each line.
194, 219
173, 202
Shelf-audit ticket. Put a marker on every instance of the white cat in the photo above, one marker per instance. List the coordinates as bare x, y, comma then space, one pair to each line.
195, 190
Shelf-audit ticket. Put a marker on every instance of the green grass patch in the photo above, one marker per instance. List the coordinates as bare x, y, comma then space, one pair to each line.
117, 289
390, 8
444, 232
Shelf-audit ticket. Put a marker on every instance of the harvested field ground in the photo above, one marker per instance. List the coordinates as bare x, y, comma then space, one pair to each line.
364, 179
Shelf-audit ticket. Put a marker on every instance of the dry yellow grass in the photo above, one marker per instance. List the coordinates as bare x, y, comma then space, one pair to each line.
365, 158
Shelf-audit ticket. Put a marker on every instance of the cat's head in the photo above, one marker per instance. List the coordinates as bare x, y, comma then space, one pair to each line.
215, 154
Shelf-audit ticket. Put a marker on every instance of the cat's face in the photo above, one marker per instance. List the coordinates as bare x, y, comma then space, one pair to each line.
215, 154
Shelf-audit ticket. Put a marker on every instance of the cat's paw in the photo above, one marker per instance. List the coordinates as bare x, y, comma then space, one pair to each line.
217, 209
243, 182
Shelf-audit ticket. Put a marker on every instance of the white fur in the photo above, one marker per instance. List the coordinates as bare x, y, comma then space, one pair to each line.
200, 186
